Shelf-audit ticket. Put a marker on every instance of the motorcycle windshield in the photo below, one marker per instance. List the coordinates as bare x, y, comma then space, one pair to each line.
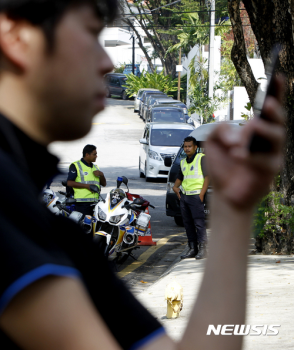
116, 196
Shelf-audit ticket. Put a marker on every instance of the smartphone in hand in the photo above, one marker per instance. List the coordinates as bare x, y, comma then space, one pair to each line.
259, 144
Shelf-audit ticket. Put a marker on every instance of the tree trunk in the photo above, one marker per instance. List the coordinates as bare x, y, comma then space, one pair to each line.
151, 26
272, 22
239, 52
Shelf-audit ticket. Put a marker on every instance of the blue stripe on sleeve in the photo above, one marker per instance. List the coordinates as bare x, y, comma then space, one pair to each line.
151, 337
33, 276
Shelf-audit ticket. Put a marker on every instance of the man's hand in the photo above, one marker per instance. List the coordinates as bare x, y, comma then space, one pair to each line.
98, 173
241, 178
177, 191
201, 196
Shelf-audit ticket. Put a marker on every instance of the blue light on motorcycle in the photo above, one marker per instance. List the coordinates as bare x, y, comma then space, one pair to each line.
120, 179
88, 220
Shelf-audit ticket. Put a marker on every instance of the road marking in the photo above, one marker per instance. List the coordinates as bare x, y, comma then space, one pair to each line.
146, 255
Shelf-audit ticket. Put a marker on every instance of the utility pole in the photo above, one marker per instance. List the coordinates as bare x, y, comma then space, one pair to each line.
211, 49
179, 75
133, 60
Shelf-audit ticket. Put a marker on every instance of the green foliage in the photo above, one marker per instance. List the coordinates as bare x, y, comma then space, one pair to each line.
198, 91
272, 214
192, 31
228, 77
154, 80
249, 115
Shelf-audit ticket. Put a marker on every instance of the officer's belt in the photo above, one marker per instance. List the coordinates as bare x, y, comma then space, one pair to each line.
191, 192
85, 200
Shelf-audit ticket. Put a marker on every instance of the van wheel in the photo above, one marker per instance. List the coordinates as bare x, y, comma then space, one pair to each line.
141, 174
124, 96
179, 221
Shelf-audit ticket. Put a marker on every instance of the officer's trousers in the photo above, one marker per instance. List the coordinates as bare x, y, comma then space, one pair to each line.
85, 208
193, 215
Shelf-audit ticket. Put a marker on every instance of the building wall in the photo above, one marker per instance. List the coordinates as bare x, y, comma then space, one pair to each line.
118, 44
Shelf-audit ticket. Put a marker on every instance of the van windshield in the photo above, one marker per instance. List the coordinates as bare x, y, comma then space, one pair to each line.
168, 137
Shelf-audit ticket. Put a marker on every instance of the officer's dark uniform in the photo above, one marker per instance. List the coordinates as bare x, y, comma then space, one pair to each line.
192, 209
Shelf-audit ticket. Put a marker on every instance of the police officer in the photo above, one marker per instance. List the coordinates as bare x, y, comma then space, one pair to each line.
82, 174
193, 179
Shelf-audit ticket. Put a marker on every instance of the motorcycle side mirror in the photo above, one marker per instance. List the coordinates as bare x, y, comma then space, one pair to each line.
64, 183
138, 201
125, 180
94, 188
168, 162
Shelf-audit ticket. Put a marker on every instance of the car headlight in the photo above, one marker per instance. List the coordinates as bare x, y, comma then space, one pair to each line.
116, 218
101, 214
154, 155
169, 187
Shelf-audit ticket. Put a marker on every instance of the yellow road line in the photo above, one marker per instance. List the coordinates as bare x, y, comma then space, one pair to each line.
143, 257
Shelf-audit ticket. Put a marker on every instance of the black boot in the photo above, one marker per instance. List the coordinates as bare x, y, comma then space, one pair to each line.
193, 250
202, 251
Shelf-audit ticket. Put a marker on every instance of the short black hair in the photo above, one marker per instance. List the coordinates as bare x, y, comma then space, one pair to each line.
88, 149
47, 13
189, 139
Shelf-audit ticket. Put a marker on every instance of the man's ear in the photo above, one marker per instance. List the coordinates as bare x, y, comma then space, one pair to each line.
16, 38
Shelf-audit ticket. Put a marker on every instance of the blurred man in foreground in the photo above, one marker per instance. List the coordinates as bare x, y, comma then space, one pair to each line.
56, 289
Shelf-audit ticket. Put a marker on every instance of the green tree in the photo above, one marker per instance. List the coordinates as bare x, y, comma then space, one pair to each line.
198, 91
228, 77
154, 80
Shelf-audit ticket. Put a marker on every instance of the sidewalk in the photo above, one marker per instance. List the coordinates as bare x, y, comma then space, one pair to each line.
270, 298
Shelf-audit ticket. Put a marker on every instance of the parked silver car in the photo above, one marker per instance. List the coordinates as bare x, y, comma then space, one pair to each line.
137, 98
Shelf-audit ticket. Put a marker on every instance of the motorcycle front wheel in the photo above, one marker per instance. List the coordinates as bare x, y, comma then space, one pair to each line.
100, 242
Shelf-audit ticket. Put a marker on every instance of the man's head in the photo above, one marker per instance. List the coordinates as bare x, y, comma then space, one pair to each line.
90, 153
190, 146
52, 65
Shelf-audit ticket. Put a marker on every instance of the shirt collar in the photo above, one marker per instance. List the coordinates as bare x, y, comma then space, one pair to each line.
32, 157
190, 160
91, 164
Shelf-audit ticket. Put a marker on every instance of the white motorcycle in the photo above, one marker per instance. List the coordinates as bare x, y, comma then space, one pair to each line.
121, 219
66, 207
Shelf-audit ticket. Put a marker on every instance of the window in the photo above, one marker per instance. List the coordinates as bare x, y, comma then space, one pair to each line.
115, 81
168, 115
169, 137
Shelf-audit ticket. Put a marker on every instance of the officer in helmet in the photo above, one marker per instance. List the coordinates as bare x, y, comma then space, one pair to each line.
83, 174
193, 180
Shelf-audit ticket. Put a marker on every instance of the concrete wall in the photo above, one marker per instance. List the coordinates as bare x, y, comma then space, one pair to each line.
118, 44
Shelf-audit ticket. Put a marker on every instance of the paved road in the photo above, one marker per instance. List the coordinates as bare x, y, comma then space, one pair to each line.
116, 132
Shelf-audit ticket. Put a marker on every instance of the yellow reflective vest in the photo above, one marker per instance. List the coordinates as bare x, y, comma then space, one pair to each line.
86, 176
193, 176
